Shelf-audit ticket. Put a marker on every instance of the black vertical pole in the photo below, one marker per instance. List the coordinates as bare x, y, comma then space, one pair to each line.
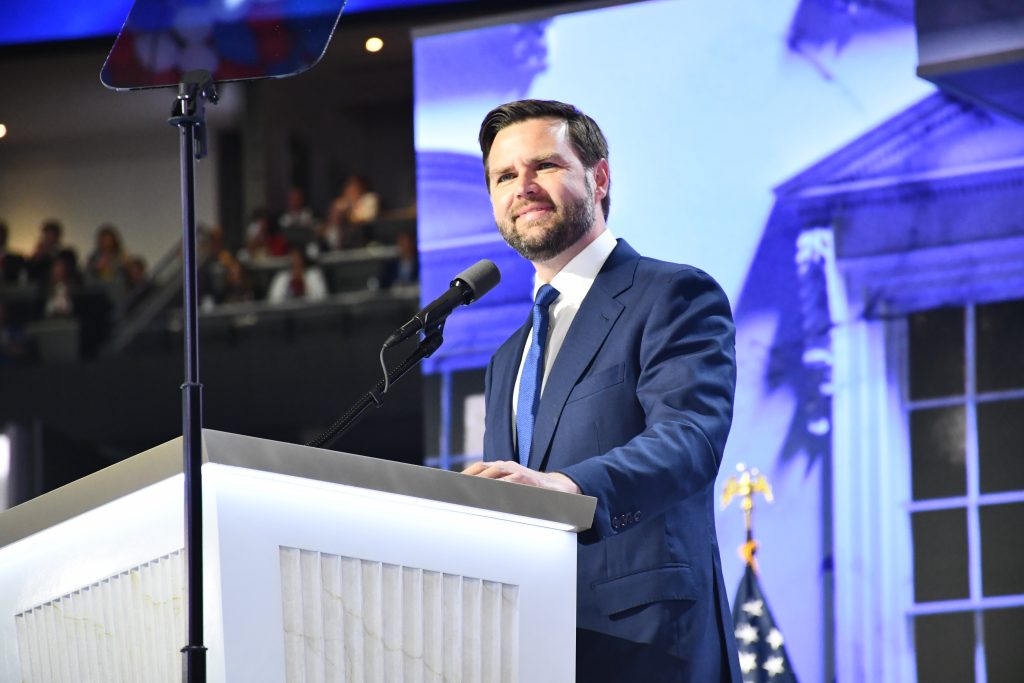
188, 116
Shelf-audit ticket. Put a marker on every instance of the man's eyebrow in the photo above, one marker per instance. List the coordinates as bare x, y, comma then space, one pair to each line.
547, 156
499, 171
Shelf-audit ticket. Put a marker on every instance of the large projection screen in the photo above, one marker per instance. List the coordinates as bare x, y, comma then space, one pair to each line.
709, 107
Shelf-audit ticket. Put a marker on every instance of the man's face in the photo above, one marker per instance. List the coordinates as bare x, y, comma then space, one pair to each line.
543, 199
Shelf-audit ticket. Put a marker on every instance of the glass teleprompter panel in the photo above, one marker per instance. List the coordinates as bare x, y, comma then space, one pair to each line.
162, 40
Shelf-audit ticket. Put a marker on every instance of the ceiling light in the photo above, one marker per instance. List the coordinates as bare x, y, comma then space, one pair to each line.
374, 44
3, 130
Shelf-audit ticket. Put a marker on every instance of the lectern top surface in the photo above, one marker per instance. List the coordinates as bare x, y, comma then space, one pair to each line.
162, 462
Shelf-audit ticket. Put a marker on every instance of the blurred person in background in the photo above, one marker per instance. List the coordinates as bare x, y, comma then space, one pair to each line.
405, 271
350, 216
215, 259
49, 247
263, 239
298, 223
107, 261
237, 286
301, 281
12, 265
62, 287
137, 282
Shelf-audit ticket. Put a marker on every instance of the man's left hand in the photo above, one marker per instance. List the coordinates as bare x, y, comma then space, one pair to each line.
509, 470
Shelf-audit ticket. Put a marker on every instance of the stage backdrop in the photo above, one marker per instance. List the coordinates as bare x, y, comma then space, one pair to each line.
709, 107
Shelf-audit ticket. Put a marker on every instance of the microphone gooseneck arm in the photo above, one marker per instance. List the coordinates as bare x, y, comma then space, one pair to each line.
434, 314
467, 287
375, 396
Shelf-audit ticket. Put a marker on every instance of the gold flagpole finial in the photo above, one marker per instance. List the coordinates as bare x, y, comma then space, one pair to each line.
745, 486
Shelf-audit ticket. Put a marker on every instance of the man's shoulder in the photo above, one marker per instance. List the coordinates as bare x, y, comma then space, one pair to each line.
648, 266
657, 283
670, 274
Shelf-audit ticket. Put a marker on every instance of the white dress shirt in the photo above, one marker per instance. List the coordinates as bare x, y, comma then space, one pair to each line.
572, 282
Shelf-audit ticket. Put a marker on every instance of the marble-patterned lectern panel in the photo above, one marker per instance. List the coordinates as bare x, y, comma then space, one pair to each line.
352, 620
126, 628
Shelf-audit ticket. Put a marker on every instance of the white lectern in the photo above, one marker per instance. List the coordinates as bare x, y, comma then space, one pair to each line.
319, 566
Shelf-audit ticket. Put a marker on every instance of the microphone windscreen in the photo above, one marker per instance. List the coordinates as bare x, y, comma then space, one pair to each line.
481, 277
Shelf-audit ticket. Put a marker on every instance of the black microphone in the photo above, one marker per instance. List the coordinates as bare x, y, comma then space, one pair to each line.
467, 287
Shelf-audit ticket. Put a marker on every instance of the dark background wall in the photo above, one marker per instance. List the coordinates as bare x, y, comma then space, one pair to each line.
287, 378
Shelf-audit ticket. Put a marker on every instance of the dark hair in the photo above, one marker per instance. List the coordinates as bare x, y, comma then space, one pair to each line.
363, 181
110, 229
3, 233
584, 133
54, 226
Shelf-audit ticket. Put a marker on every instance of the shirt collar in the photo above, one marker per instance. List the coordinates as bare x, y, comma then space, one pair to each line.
573, 281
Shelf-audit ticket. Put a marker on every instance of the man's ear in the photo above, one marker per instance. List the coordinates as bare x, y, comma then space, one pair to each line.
602, 179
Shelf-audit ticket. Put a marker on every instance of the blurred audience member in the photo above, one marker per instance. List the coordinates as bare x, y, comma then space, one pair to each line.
107, 261
48, 248
136, 274
237, 287
11, 265
405, 271
137, 282
214, 260
298, 224
263, 239
300, 281
350, 216
15, 346
356, 202
334, 234
211, 246
62, 287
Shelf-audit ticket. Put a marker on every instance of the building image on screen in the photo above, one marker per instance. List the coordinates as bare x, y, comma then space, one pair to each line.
790, 151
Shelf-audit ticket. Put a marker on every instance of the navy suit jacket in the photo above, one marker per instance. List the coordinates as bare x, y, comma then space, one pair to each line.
636, 410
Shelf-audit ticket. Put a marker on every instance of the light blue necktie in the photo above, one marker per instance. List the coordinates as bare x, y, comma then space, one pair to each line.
533, 373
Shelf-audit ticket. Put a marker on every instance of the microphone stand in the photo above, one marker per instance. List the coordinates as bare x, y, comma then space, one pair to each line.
432, 340
189, 115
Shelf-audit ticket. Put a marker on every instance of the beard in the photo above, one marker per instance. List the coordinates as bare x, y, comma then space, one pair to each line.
567, 224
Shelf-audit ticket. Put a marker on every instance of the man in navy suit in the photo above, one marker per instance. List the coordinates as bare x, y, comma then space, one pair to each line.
626, 395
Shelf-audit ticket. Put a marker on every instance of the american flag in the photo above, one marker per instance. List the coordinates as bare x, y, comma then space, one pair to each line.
762, 650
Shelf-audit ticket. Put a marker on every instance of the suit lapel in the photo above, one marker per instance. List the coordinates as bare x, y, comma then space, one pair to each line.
598, 313
503, 378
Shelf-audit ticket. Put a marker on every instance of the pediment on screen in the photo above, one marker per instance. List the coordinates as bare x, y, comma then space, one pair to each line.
940, 136
232, 39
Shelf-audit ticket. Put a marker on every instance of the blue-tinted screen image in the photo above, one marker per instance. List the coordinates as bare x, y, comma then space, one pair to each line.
719, 114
